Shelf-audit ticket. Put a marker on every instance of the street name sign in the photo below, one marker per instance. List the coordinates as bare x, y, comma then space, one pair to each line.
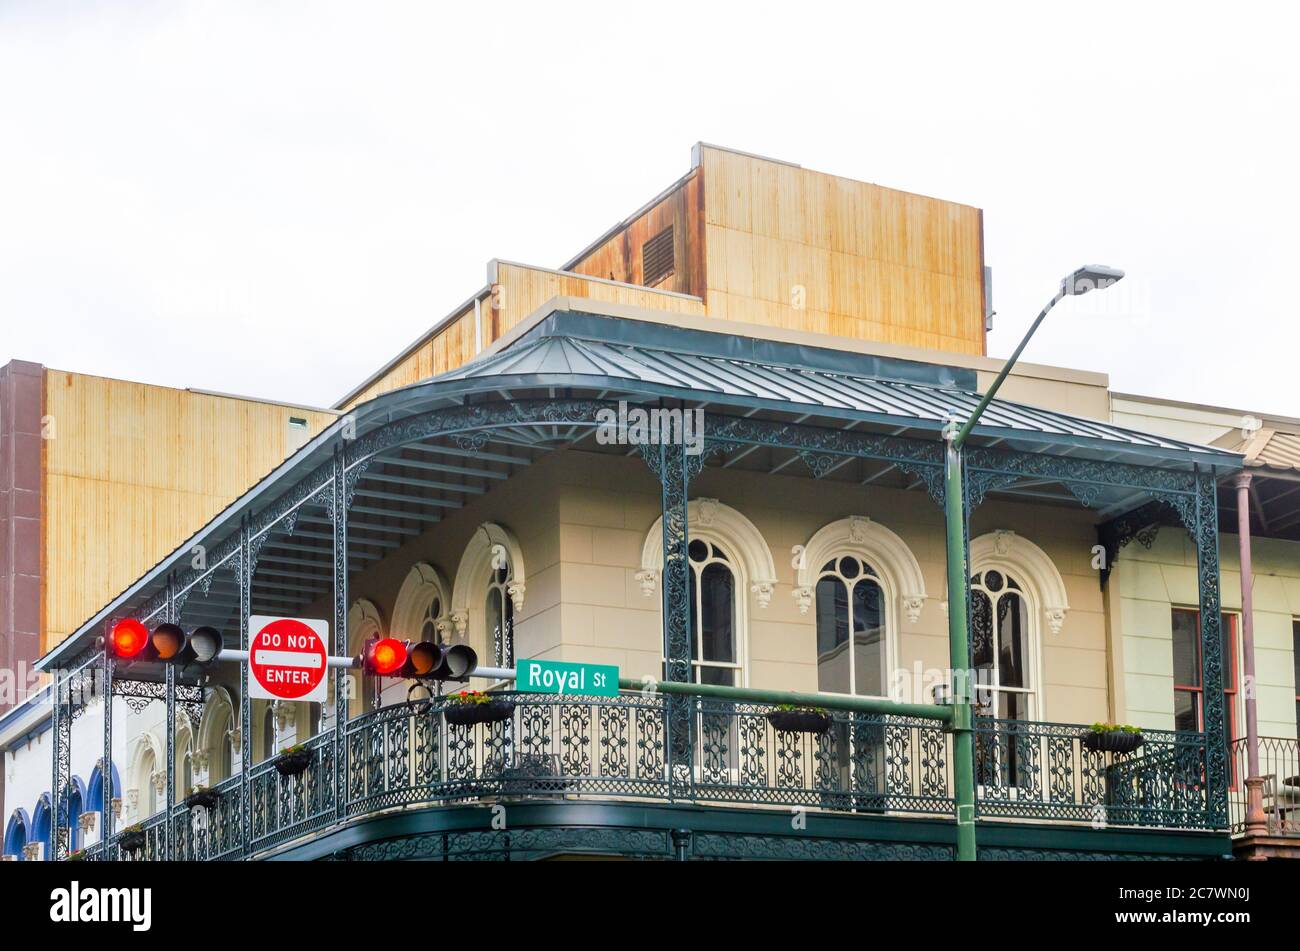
554, 676
286, 658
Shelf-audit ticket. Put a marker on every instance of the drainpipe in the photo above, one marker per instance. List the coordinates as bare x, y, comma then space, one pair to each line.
1255, 819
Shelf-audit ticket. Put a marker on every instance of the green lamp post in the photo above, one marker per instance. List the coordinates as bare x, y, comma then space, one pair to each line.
1085, 279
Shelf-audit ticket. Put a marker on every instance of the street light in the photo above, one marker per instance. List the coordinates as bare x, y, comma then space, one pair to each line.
1087, 278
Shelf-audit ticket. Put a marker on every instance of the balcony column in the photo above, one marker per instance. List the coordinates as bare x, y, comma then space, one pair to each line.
245, 582
171, 616
106, 767
1206, 534
674, 480
1254, 784
338, 510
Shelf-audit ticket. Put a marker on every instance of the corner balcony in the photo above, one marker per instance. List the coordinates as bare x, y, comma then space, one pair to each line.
410, 784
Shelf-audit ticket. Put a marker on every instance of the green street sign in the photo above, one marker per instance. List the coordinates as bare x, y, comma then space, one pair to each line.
554, 676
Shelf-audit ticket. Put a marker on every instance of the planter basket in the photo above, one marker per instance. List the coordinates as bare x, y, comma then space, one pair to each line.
467, 714
291, 764
131, 841
202, 798
800, 721
1113, 741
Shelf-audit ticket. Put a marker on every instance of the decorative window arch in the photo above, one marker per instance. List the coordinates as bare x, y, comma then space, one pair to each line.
1021, 558
712, 521
728, 557
863, 578
216, 736
881, 547
423, 607
491, 575
16, 831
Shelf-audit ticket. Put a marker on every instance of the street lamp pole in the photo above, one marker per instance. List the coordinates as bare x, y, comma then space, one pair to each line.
1091, 277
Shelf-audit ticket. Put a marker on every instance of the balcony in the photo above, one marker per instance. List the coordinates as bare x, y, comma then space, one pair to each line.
624, 749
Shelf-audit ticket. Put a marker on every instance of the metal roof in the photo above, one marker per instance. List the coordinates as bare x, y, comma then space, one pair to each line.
601, 351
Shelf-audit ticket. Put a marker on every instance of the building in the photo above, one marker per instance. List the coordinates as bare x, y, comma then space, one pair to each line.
808, 337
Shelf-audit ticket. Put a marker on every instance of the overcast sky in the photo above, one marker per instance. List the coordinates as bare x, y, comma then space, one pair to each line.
275, 198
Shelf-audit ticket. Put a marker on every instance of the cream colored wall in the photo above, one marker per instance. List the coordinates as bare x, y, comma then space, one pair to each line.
607, 509
1153, 581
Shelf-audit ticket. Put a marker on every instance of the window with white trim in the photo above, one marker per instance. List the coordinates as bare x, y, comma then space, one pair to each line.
714, 655
851, 635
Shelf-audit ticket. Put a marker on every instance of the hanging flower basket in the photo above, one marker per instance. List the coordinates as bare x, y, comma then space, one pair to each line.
201, 798
1111, 738
792, 719
131, 840
293, 761
472, 706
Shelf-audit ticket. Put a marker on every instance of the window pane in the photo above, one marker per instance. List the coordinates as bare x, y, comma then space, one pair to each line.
492, 618
717, 641
1186, 712
1187, 667
868, 639
721, 676
832, 636
1012, 622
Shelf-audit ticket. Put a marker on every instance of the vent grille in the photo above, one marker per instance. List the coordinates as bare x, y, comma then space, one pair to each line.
657, 258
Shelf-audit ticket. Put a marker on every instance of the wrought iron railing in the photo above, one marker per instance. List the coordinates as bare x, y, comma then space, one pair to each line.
1034, 770
1279, 767
731, 753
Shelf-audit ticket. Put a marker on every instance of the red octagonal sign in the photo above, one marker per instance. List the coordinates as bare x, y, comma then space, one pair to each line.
286, 659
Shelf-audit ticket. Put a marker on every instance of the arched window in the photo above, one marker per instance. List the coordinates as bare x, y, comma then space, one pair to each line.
731, 566
715, 657
1000, 646
268, 732
41, 831
1016, 593
184, 763
216, 734
75, 804
95, 788
489, 593
364, 622
148, 766
499, 615
851, 638
16, 834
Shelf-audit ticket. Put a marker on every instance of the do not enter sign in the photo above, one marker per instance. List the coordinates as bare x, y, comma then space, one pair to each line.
286, 659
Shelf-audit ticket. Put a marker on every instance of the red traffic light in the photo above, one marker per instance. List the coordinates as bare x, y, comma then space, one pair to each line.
384, 656
128, 638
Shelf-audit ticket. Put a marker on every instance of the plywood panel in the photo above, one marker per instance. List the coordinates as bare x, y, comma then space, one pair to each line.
900, 267
132, 470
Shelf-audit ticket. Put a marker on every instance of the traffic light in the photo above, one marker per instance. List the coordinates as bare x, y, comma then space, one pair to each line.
131, 641
390, 657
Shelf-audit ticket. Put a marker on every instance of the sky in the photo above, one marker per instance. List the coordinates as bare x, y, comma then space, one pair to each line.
275, 198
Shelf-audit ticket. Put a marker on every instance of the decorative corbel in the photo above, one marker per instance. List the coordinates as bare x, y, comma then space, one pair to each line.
762, 590
912, 605
803, 596
648, 579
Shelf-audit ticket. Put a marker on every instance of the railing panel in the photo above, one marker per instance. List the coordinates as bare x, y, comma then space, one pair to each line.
1279, 767
1033, 770
285, 807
